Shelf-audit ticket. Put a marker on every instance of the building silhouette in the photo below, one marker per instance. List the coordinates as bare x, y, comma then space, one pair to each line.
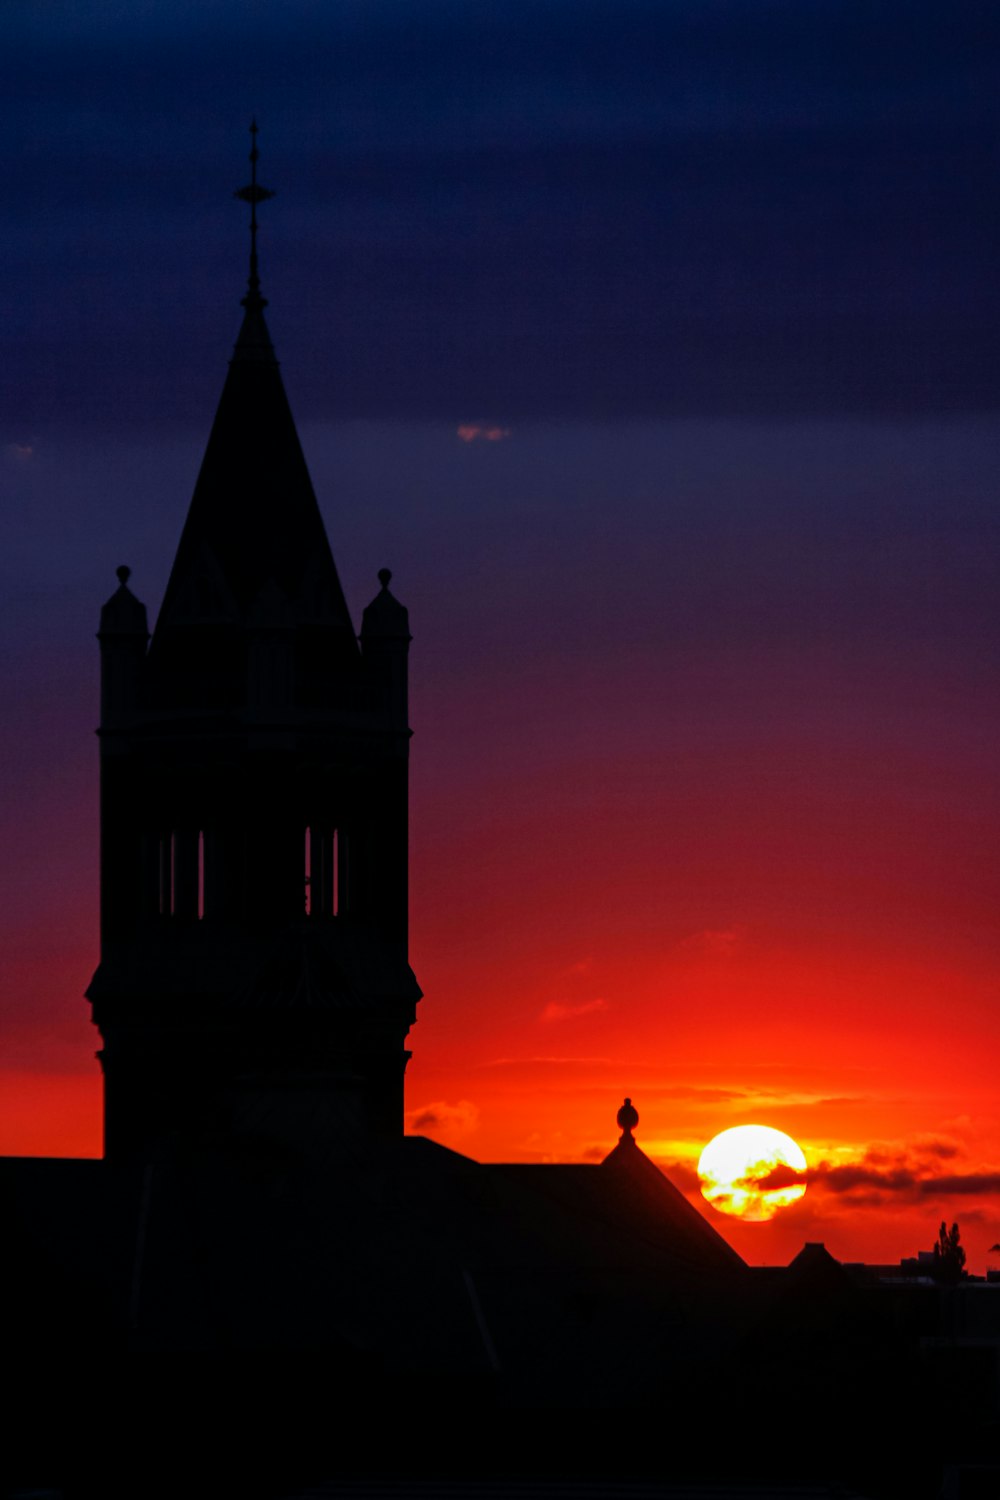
254, 973
264, 1270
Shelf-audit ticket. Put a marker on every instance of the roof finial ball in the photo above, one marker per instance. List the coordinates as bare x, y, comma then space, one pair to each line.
385, 577
123, 574
628, 1119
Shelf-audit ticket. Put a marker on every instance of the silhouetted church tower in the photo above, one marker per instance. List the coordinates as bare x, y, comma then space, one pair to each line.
254, 976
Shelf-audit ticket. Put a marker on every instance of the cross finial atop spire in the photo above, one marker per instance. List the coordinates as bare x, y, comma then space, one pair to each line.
253, 194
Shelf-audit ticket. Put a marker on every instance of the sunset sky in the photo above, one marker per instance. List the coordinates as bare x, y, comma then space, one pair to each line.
654, 346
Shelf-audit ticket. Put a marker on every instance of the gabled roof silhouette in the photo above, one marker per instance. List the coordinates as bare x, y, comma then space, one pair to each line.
408, 1254
652, 1196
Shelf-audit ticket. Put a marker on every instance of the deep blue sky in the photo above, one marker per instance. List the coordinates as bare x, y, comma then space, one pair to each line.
550, 209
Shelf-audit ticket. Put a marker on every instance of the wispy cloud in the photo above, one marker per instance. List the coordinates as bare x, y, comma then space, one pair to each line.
554, 1011
442, 1118
962, 1183
535, 1062
20, 453
683, 1174
482, 432
771, 1099
714, 942
886, 1172
754, 1100
702, 1093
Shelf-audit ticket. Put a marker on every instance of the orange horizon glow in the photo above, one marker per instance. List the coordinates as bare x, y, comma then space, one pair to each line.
527, 1059
731, 878
871, 1197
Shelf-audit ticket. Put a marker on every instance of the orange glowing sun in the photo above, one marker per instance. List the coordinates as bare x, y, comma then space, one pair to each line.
752, 1171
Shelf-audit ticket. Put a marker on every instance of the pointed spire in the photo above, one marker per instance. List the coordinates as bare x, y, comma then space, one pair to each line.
253, 194
253, 524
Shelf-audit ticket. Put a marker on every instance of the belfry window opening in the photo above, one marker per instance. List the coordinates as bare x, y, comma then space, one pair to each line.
323, 854
182, 874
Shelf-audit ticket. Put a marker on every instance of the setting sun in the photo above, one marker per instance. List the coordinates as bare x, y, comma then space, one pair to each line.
752, 1171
